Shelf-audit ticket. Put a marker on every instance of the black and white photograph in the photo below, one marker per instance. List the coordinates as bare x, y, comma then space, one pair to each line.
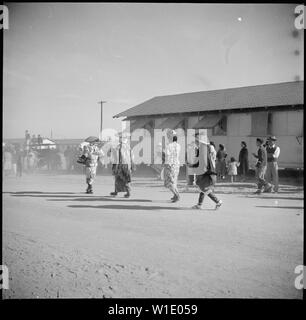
152, 150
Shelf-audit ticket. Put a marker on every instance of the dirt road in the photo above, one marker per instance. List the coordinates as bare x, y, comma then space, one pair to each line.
60, 242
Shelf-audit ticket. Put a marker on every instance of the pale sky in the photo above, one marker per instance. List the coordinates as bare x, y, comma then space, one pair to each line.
61, 59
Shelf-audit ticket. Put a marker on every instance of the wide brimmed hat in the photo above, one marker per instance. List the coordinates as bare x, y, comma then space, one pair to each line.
92, 139
272, 138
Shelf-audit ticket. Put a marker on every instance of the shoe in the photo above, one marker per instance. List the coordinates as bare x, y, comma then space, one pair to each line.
127, 195
218, 205
175, 199
257, 191
268, 190
113, 193
197, 206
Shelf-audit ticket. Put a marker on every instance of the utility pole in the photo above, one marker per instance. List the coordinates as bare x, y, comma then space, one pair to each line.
101, 123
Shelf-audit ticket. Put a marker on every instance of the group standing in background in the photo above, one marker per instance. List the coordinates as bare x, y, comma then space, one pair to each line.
266, 168
13, 160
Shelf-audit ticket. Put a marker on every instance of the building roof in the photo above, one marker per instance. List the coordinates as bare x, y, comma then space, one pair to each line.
268, 95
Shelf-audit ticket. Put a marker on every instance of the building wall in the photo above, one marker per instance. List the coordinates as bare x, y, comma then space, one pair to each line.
286, 126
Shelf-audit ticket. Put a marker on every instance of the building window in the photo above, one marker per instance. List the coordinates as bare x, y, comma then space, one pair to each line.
221, 128
259, 124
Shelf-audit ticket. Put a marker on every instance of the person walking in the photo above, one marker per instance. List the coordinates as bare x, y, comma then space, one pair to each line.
122, 167
221, 162
92, 154
172, 166
261, 167
243, 161
205, 170
273, 152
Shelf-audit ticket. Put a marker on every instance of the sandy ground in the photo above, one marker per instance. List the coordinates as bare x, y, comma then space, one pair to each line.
60, 242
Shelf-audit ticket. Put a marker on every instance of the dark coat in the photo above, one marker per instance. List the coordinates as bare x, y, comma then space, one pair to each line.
244, 161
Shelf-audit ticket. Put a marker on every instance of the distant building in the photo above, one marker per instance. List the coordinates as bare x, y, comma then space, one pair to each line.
61, 144
231, 116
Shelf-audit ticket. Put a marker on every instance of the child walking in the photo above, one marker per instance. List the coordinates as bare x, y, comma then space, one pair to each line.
232, 169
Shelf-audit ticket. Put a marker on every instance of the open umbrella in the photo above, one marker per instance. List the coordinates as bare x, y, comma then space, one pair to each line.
92, 139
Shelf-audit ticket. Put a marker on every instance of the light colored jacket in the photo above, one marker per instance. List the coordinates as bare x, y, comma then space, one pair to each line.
173, 153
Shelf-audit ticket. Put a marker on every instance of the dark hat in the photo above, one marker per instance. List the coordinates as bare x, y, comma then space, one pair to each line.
272, 138
260, 140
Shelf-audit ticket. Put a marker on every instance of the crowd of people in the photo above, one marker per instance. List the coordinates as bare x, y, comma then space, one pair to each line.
266, 168
18, 158
123, 166
31, 141
12, 160
32, 155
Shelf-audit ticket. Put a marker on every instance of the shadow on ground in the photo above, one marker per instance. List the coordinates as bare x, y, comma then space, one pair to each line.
280, 207
62, 197
129, 207
274, 198
102, 199
37, 192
